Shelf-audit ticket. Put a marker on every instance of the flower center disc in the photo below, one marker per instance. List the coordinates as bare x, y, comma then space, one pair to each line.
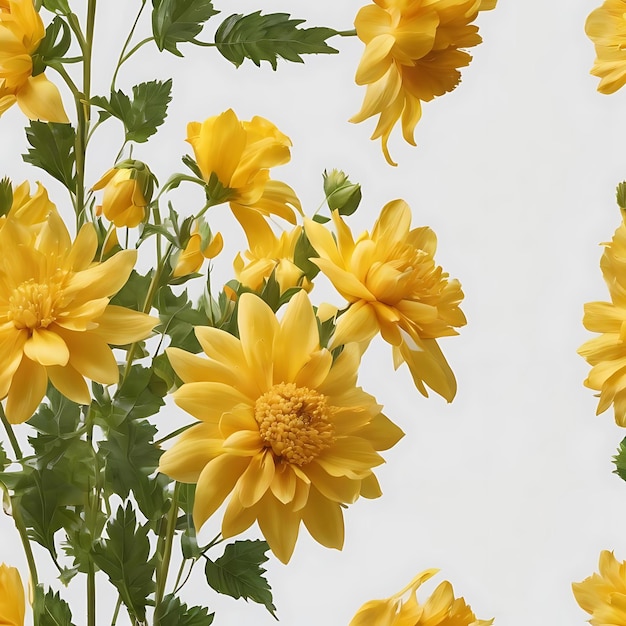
294, 422
32, 305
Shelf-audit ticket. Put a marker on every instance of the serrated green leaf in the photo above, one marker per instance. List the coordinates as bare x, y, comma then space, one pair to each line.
238, 573
53, 150
4, 459
123, 557
620, 460
267, 37
50, 609
172, 612
142, 114
178, 21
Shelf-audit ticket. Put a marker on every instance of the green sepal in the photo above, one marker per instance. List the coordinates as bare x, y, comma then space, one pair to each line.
267, 37
238, 573
53, 46
123, 557
143, 114
172, 612
53, 150
179, 21
6, 196
49, 609
341, 194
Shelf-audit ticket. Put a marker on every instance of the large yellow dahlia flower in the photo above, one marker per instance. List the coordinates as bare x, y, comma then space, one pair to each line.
412, 54
285, 435
394, 287
441, 609
12, 604
55, 318
606, 27
607, 353
239, 156
603, 595
21, 31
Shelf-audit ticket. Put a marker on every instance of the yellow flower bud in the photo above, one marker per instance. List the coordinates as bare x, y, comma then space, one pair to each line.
202, 245
12, 603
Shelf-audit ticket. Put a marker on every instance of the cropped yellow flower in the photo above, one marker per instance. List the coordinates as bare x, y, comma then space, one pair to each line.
31, 211
268, 254
201, 245
441, 609
607, 353
413, 52
394, 287
603, 595
21, 31
235, 157
127, 193
606, 27
55, 318
285, 435
12, 604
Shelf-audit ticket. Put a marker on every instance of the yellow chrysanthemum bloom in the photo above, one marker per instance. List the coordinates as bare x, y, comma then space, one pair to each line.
412, 54
31, 211
603, 595
239, 155
607, 353
441, 609
268, 254
394, 287
202, 245
606, 27
12, 604
285, 435
21, 31
56, 322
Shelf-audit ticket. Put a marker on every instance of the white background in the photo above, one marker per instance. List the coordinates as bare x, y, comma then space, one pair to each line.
508, 489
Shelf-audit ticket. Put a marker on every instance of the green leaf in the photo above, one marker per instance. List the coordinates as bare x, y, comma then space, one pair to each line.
123, 557
4, 459
620, 460
53, 150
134, 292
267, 37
237, 573
50, 610
302, 254
53, 46
172, 612
6, 195
178, 21
143, 114
58, 6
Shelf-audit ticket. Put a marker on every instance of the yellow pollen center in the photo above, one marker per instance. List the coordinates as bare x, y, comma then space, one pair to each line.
33, 305
294, 422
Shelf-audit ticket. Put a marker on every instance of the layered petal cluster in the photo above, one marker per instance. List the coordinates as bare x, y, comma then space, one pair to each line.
607, 353
21, 31
56, 322
413, 52
12, 604
440, 609
285, 435
30, 211
267, 255
393, 286
238, 155
603, 595
202, 245
606, 27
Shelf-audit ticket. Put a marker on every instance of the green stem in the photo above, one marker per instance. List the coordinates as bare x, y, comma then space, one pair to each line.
118, 605
92, 508
174, 433
10, 434
347, 33
123, 56
21, 529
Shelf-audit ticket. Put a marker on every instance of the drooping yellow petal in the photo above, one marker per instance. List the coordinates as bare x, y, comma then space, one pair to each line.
28, 388
40, 99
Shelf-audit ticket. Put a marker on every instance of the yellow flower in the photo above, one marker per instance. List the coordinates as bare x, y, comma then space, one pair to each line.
127, 193
285, 435
441, 609
12, 604
21, 31
607, 353
412, 54
606, 27
603, 595
30, 211
234, 158
393, 287
268, 254
201, 245
55, 318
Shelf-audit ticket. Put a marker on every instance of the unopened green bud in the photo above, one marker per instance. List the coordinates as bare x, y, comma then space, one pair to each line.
341, 194
6, 196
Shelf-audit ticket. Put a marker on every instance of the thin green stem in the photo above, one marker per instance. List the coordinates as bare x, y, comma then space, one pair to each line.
10, 434
123, 56
174, 433
347, 33
116, 612
21, 529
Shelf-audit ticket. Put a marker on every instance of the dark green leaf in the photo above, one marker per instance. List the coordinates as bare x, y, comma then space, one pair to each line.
143, 114
620, 460
134, 292
57, 6
238, 573
302, 254
6, 196
53, 46
267, 37
123, 557
50, 610
53, 150
4, 459
321, 219
172, 612
178, 21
